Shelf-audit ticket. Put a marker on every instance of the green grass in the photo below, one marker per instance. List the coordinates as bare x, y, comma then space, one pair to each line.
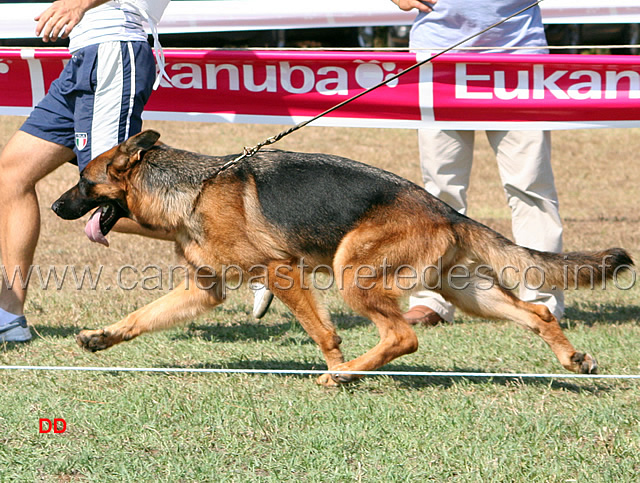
212, 427
244, 428
187, 427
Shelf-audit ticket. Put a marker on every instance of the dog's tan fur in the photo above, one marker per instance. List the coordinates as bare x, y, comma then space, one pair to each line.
224, 221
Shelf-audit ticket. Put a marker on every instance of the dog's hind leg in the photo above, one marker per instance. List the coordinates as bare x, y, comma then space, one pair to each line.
364, 288
181, 304
363, 265
475, 297
397, 337
292, 290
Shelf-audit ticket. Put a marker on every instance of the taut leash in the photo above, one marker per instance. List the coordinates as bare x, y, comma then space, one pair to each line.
248, 152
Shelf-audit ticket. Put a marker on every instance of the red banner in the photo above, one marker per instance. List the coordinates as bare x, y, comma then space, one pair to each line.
456, 91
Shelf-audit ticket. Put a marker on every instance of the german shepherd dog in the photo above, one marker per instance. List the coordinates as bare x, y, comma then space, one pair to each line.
300, 211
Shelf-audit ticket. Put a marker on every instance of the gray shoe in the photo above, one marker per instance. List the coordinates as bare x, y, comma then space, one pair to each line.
15, 331
262, 298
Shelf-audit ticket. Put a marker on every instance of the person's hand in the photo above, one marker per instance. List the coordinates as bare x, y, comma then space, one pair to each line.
424, 6
60, 18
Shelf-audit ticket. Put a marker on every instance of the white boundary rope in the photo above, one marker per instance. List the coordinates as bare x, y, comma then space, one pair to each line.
169, 370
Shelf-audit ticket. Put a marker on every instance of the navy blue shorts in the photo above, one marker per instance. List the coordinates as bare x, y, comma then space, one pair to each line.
97, 101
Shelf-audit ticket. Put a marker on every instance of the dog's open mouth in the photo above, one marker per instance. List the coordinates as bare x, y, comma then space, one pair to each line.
101, 222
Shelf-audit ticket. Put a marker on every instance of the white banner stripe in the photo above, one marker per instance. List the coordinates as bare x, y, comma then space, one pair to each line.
382, 123
37, 80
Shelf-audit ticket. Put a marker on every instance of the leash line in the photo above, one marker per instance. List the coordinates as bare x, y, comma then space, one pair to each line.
248, 152
196, 370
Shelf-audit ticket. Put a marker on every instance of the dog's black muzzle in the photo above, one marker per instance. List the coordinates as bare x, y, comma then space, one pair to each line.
72, 205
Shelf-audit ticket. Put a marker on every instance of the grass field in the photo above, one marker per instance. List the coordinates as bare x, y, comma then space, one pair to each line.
207, 427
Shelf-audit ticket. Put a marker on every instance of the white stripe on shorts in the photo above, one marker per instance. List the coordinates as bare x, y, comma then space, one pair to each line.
132, 91
108, 98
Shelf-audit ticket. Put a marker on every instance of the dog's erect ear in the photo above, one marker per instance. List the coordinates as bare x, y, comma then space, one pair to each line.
131, 150
140, 142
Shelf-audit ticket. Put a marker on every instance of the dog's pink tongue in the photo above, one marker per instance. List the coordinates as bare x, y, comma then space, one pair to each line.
92, 229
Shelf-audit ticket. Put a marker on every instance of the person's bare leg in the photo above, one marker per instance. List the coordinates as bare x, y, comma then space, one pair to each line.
24, 161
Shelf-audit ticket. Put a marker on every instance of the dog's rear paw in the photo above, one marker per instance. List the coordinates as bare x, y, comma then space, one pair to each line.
94, 340
327, 381
584, 363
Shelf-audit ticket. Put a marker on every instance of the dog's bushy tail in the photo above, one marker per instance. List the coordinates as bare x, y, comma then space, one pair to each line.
513, 264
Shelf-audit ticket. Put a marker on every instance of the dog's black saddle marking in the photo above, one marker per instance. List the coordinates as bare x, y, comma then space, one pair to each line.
318, 198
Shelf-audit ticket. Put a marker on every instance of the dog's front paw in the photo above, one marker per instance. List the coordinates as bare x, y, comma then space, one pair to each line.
584, 363
94, 340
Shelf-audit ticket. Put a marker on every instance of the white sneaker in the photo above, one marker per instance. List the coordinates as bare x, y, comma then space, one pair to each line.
262, 298
15, 331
